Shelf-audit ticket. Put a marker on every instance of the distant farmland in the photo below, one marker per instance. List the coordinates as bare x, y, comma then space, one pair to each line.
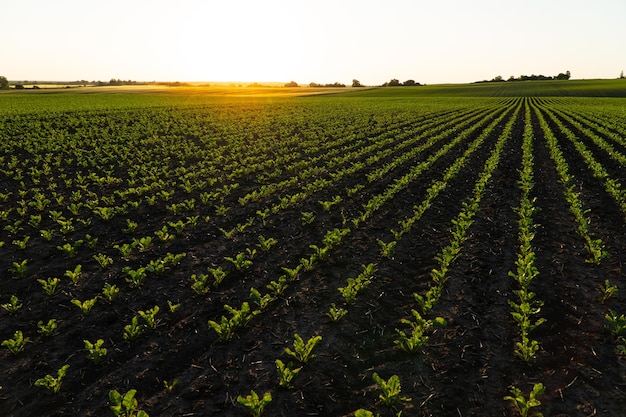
435, 251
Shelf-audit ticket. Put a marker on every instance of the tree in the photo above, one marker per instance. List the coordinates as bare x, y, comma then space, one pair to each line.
292, 84
356, 83
393, 83
4, 83
621, 75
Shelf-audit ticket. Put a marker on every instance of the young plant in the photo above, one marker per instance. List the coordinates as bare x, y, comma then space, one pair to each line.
261, 301
336, 313
13, 305
240, 261
307, 217
86, 305
286, 373
16, 344
149, 317
303, 352
74, 275
173, 307
390, 390
135, 276
607, 291
103, 260
387, 249
51, 383
254, 403
200, 284
49, 285
47, 329
170, 385
616, 323
524, 405
125, 405
110, 292
19, 268
266, 244
132, 330
95, 351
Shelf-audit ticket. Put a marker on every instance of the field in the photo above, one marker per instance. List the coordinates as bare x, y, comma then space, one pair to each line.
319, 250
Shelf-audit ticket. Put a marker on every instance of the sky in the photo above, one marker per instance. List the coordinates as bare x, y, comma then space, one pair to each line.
323, 41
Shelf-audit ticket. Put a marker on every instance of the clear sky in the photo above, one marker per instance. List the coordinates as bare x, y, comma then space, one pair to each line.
324, 41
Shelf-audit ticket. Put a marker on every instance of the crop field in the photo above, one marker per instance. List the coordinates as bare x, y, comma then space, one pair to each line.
341, 255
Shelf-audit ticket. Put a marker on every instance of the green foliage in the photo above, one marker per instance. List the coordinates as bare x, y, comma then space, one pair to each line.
125, 405
16, 344
85, 306
336, 313
607, 291
303, 352
47, 329
51, 383
95, 351
523, 405
391, 390
254, 403
13, 305
286, 373
49, 286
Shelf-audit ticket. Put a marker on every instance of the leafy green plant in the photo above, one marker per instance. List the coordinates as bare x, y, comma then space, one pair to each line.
336, 313
607, 291
110, 292
74, 275
19, 268
173, 307
132, 330
46, 329
49, 285
171, 385
391, 390
22, 243
149, 317
16, 344
262, 301
95, 351
51, 383
240, 261
307, 217
254, 403
200, 283
523, 405
218, 275
85, 306
103, 260
286, 373
13, 305
387, 249
617, 324
135, 276
266, 244
125, 405
303, 352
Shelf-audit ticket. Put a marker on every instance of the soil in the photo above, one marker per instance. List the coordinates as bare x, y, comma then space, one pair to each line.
465, 369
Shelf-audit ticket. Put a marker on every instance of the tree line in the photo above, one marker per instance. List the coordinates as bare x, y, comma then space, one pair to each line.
561, 76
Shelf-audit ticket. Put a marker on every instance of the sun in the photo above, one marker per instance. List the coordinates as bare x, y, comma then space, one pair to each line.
221, 43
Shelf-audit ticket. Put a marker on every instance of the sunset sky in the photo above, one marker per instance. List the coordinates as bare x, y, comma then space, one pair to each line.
310, 41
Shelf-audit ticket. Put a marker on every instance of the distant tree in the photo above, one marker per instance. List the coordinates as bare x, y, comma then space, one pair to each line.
621, 75
357, 83
393, 83
4, 83
409, 83
292, 84
313, 85
497, 78
19, 86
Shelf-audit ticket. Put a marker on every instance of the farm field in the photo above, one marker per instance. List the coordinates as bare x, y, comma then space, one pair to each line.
314, 249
